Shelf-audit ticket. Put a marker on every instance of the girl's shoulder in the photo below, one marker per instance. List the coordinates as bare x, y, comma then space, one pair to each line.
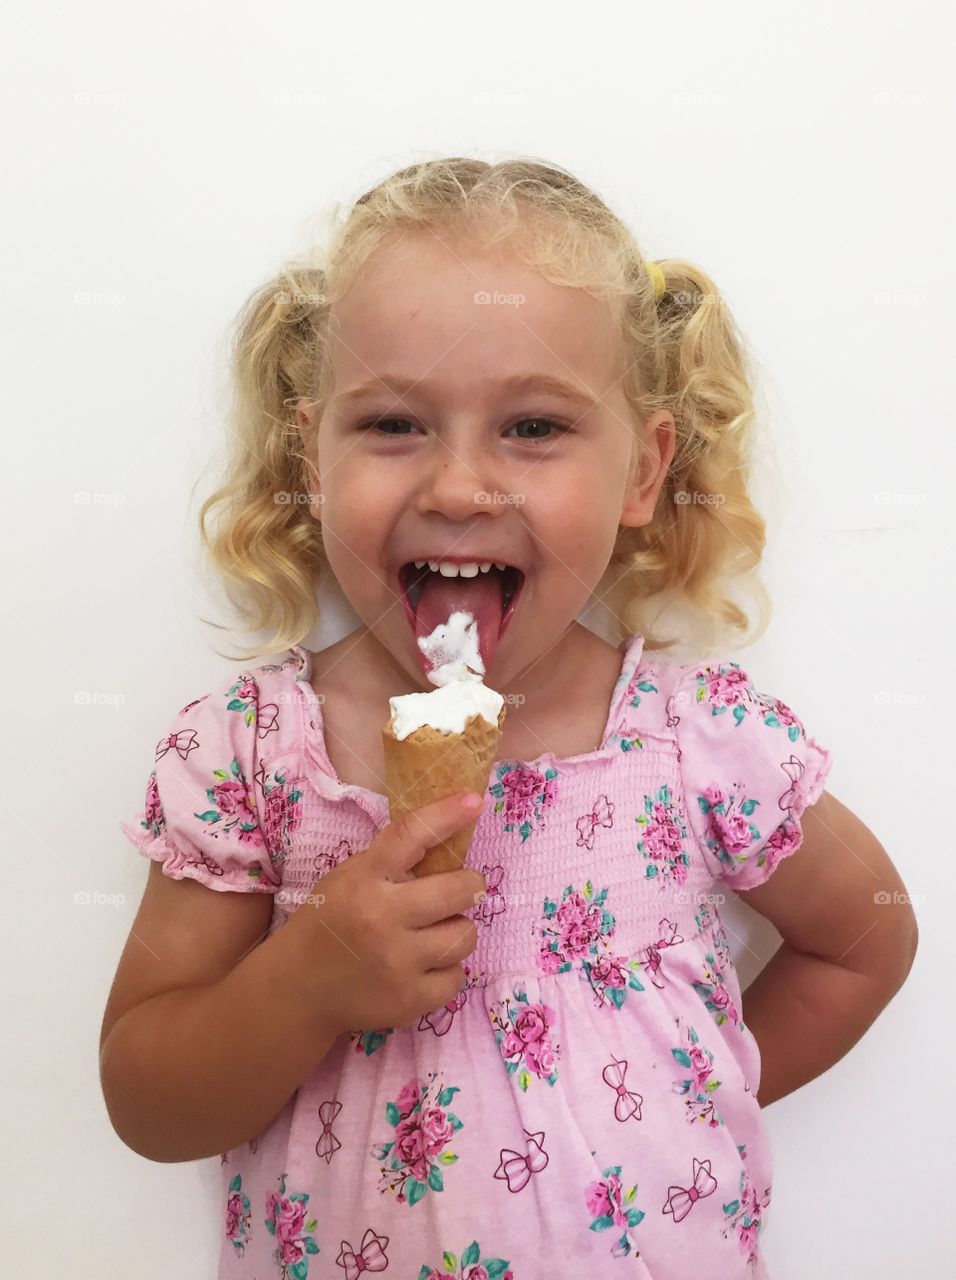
748, 765
221, 797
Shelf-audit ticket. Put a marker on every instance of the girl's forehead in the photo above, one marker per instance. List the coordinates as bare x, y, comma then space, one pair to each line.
450, 303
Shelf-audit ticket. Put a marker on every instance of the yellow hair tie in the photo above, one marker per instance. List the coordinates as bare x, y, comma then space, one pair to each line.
657, 278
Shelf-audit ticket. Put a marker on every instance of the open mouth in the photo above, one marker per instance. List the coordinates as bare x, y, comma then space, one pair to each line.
510, 580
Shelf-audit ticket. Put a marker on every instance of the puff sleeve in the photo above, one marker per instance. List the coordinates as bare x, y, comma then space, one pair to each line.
202, 815
749, 772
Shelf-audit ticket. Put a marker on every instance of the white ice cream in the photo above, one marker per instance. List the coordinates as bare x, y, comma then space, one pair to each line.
457, 670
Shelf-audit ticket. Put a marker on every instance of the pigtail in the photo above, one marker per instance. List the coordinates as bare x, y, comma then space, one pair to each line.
266, 543
706, 532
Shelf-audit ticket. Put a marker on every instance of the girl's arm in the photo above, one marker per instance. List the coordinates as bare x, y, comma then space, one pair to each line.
206, 1034
849, 937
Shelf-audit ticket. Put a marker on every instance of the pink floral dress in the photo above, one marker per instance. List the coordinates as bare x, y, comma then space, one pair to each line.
587, 1105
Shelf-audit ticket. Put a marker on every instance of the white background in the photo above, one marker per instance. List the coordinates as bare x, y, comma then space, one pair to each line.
157, 167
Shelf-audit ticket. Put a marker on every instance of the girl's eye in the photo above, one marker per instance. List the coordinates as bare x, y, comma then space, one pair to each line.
541, 422
382, 423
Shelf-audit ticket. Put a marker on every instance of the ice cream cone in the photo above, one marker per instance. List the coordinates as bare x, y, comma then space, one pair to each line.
430, 764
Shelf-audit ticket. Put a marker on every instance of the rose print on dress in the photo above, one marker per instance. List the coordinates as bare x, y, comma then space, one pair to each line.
627, 1103
328, 1143
286, 1221
238, 1215
577, 929
524, 794
602, 815
516, 1169
414, 1159
730, 833
661, 835
680, 1200
154, 821
744, 1215
723, 688
370, 1257
523, 1034
232, 807
715, 995
471, 1266
699, 1085
611, 1208
728, 688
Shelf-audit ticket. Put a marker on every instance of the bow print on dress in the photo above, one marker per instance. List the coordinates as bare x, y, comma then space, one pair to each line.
182, 743
602, 815
679, 1201
328, 1143
371, 1257
652, 953
627, 1103
440, 1020
517, 1169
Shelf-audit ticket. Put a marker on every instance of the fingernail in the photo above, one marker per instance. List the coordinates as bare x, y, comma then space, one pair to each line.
471, 802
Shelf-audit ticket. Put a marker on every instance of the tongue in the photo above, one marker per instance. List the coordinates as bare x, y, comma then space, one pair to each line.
480, 596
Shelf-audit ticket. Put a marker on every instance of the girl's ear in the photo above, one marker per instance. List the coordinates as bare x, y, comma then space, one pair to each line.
308, 436
650, 462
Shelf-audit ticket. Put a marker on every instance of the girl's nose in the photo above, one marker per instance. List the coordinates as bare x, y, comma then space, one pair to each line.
457, 480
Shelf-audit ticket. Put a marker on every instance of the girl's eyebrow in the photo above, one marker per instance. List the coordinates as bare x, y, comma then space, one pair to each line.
542, 382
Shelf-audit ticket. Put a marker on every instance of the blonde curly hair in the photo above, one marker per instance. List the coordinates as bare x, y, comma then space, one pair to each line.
683, 354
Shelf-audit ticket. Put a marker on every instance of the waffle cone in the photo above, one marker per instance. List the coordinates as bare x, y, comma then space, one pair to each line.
429, 765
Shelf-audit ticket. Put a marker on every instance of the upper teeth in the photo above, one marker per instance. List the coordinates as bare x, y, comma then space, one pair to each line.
448, 569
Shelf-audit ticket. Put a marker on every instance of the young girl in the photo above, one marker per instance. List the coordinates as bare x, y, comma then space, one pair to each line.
537, 1065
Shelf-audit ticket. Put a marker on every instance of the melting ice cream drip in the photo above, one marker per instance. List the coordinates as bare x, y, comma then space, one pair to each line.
457, 670
453, 651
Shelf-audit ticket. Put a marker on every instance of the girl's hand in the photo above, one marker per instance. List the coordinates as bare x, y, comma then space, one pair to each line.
379, 946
